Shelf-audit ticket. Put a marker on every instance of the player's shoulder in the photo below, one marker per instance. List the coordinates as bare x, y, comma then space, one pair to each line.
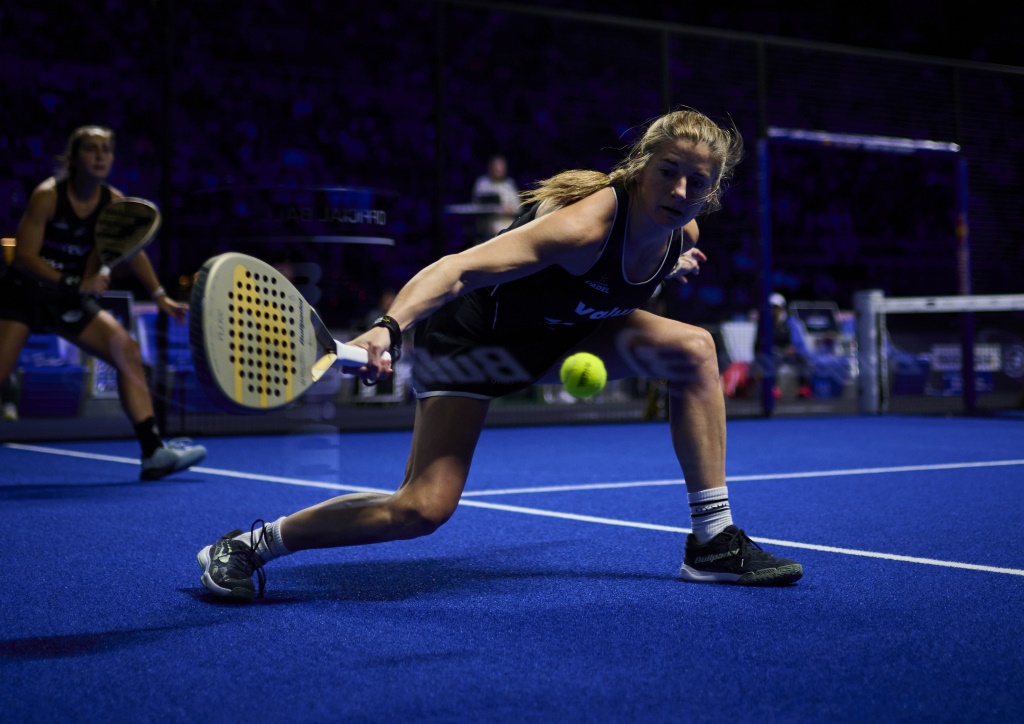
577, 219
46, 188
604, 196
44, 196
597, 206
577, 232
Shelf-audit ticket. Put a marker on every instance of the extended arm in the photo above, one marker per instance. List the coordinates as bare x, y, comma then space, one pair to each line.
571, 237
142, 268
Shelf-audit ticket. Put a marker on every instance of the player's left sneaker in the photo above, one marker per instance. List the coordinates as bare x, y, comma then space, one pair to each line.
228, 566
731, 557
173, 457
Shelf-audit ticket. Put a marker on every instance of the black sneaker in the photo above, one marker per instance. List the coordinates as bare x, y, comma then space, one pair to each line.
731, 557
228, 565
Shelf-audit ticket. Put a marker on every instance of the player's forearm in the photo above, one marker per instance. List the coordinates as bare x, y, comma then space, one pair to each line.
35, 267
428, 291
143, 270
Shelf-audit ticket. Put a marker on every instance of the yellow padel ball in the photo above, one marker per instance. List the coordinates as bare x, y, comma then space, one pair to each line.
583, 375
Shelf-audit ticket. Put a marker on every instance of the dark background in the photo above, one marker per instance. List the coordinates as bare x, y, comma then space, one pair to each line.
976, 32
407, 100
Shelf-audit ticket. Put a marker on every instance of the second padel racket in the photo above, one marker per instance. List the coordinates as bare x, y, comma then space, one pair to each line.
124, 227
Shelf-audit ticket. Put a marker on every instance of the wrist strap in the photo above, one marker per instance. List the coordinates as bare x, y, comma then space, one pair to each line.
157, 293
396, 335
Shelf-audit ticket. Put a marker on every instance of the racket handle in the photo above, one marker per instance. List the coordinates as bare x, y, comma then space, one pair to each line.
352, 357
104, 271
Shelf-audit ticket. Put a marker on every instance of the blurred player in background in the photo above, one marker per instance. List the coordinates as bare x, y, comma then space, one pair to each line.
54, 283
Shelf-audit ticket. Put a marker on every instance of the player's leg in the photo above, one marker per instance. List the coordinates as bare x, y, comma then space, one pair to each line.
642, 344
647, 345
13, 335
445, 434
105, 338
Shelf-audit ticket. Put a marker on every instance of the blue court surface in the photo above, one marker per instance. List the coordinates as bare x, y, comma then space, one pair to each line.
552, 594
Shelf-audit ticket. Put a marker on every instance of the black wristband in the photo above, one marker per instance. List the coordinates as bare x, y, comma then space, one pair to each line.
68, 284
396, 335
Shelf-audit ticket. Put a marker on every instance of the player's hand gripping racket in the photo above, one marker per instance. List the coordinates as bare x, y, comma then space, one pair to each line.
256, 343
124, 227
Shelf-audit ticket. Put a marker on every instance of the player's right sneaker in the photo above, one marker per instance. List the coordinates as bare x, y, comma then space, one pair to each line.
731, 557
228, 565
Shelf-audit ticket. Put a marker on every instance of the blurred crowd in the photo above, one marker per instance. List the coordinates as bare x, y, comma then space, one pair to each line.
358, 95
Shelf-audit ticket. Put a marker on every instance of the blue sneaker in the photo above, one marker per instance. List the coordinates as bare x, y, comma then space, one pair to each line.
731, 557
174, 456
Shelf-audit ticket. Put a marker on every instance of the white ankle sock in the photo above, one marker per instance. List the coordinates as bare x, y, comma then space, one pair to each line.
709, 513
270, 546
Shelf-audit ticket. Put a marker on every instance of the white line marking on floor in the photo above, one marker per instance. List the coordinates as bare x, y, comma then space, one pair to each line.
746, 478
198, 469
595, 519
769, 541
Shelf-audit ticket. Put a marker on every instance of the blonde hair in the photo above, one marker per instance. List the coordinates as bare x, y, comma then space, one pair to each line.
66, 161
726, 146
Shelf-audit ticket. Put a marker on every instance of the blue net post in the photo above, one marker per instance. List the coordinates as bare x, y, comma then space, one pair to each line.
763, 351
963, 239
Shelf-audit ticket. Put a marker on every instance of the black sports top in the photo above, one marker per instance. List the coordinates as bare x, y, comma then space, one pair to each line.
68, 238
497, 339
554, 298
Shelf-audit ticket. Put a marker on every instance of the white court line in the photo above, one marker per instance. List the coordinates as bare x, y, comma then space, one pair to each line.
596, 519
769, 541
209, 471
747, 478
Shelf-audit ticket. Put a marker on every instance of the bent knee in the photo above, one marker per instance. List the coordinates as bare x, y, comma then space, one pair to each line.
415, 521
697, 347
701, 346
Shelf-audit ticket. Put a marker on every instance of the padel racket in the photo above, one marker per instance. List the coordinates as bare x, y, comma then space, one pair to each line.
124, 227
257, 344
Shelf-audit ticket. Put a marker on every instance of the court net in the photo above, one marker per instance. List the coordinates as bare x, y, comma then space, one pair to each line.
913, 353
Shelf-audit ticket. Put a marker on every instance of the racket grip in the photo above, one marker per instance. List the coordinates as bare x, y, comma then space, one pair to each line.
352, 357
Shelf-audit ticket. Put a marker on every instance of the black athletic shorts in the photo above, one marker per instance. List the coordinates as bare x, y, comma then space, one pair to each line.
44, 311
458, 352
455, 352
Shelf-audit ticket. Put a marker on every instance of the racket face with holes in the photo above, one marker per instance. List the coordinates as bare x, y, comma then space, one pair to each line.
256, 343
124, 227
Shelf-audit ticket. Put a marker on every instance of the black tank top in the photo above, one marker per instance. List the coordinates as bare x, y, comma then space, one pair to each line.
69, 239
495, 340
67, 242
553, 298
